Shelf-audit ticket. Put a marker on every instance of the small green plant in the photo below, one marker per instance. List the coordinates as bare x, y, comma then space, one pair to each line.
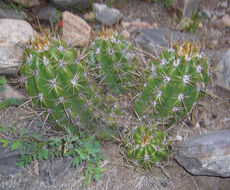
147, 146
34, 147
190, 24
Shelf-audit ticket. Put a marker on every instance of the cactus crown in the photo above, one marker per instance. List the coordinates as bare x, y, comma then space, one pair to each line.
148, 146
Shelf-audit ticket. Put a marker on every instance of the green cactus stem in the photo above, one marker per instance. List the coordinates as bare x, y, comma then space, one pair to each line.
177, 80
111, 63
56, 80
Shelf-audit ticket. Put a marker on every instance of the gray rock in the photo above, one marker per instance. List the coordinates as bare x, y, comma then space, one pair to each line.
105, 15
223, 4
152, 40
70, 3
48, 13
13, 13
223, 71
206, 13
15, 36
220, 13
187, 7
8, 160
206, 154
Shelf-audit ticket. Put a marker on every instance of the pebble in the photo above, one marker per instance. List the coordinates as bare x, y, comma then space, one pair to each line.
89, 16
214, 18
48, 13
154, 26
140, 24
125, 24
206, 13
226, 20
105, 15
125, 33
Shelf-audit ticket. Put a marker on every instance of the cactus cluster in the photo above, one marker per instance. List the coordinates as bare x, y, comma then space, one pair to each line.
175, 82
148, 146
78, 88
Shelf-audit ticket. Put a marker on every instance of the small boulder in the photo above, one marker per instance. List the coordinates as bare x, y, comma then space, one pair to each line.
105, 15
223, 71
152, 40
15, 36
76, 32
207, 155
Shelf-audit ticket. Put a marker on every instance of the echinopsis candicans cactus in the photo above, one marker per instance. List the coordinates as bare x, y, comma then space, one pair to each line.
56, 80
111, 63
177, 80
148, 146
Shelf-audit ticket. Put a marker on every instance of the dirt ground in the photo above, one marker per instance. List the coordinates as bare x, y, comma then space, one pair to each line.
211, 114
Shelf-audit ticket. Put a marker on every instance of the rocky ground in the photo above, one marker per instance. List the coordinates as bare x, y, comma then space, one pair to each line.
147, 25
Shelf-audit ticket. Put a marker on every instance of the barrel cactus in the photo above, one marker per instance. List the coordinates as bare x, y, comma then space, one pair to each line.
111, 63
176, 81
148, 146
56, 80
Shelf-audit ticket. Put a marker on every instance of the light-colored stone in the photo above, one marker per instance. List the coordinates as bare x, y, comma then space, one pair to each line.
223, 71
206, 154
89, 16
125, 33
105, 15
10, 92
28, 3
226, 20
76, 32
12, 13
154, 26
140, 24
125, 24
15, 36
213, 19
